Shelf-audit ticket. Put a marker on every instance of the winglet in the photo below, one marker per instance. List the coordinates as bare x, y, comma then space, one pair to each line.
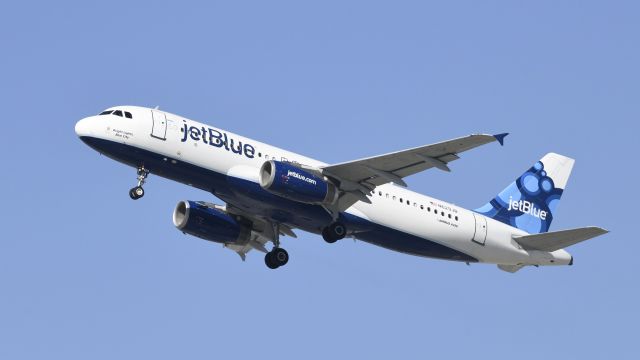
500, 138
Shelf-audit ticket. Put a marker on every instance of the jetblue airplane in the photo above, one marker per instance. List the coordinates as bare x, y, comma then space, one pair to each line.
270, 192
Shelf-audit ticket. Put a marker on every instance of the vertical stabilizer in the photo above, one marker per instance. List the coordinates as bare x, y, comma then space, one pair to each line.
531, 202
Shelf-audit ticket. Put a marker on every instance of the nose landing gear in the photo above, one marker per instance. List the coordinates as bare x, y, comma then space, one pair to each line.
138, 192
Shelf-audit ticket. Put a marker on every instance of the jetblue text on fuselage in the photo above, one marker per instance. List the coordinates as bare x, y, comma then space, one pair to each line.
217, 138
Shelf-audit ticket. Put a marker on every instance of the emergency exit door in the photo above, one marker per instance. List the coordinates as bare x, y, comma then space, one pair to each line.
480, 235
159, 125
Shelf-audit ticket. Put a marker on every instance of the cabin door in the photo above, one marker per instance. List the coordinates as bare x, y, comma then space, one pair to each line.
480, 235
159, 125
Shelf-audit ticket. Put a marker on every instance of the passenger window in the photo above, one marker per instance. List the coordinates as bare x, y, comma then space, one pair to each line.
408, 202
429, 209
449, 216
128, 115
456, 218
421, 207
394, 197
442, 213
401, 200
118, 113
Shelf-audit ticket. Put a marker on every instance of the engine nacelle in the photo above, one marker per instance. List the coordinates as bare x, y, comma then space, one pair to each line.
293, 183
210, 223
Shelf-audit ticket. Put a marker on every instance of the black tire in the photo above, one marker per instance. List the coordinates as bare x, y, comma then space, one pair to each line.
280, 256
338, 230
326, 235
270, 261
334, 232
136, 193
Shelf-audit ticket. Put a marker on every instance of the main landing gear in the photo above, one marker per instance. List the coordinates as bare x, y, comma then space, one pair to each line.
138, 192
334, 232
277, 256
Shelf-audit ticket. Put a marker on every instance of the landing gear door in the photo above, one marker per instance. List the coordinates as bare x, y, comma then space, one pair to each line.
159, 125
480, 234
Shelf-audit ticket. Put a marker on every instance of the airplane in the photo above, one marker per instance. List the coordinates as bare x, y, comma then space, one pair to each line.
270, 192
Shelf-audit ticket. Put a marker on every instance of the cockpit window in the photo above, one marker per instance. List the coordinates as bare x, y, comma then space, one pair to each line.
118, 113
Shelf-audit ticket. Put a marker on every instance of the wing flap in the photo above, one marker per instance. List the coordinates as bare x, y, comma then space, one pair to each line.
556, 240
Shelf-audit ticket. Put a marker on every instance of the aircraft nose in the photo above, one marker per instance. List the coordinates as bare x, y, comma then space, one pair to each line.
84, 127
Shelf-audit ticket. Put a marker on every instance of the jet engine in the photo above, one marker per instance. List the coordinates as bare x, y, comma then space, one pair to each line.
294, 183
209, 222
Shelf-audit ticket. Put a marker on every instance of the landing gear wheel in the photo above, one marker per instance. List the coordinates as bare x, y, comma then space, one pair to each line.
334, 232
270, 261
276, 258
281, 256
327, 236
136, 193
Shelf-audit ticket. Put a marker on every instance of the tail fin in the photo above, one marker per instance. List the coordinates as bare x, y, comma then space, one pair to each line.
530, 202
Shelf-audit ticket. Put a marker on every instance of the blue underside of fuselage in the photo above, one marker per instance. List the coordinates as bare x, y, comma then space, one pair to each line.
250, 197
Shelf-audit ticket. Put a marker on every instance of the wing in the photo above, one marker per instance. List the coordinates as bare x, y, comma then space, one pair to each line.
262, 232
556, 240
359, 177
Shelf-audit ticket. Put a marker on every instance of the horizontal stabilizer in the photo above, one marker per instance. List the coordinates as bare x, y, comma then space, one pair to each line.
552, 241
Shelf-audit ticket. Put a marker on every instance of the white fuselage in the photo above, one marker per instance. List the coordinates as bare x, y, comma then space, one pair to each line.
176, 139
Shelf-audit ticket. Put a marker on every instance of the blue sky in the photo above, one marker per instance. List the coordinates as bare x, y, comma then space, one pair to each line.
87, 273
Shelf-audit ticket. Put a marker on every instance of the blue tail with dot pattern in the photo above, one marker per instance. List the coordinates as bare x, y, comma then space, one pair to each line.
531, 202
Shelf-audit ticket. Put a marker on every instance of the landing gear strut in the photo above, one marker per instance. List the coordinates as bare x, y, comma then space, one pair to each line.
138, 192
334, 232
277, 256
